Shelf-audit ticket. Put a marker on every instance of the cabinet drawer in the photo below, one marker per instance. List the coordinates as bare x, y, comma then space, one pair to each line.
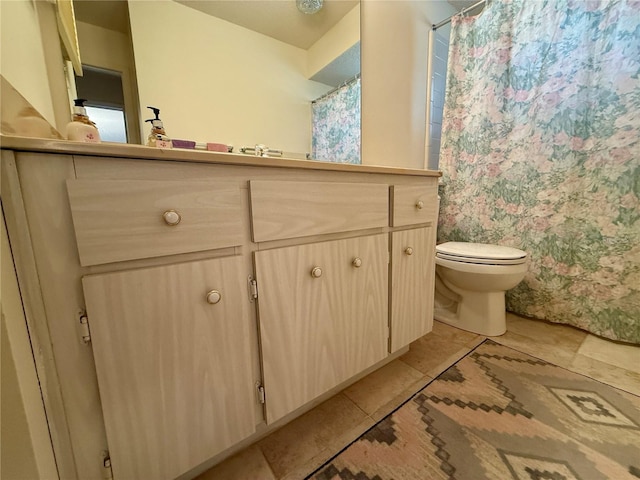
116, 220
282, 210
414, 204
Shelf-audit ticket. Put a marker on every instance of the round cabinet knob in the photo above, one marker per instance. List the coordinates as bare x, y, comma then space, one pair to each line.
213, 297
408, 251
419, 204
357, 262
171, 217
316, 272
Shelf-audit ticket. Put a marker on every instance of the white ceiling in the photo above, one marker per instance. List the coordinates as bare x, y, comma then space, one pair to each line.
279, 19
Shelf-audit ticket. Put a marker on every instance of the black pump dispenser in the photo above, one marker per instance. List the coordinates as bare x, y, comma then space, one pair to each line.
156, 122
157, 137
78, 106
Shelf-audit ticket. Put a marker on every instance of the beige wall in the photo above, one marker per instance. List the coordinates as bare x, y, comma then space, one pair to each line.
394, 79
22, 56
217, 82
104, 48
344, 35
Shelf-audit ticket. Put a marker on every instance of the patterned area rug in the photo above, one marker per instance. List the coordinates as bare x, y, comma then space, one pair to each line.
500, 414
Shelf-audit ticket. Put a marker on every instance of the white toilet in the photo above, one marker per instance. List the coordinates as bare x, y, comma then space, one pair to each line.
471, 280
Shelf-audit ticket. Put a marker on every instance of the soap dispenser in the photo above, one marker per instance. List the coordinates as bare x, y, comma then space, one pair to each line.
81, 129
157, 137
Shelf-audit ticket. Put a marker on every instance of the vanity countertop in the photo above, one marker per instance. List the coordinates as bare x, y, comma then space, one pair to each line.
118, 150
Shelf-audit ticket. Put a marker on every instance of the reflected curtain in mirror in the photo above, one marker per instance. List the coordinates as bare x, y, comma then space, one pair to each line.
335, 117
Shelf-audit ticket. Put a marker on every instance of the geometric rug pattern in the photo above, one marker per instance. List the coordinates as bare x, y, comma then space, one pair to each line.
500, 414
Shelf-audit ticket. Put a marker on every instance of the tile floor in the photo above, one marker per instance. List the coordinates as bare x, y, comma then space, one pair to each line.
298, 448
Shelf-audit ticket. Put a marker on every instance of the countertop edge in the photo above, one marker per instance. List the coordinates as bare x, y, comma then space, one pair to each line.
45, 145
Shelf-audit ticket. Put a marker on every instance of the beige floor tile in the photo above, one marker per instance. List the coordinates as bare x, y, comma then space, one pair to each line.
606, 373
382, 386
248, 464
401, 398
300, 441
452, 334
429, 352
620, 355
335, 446
554, 343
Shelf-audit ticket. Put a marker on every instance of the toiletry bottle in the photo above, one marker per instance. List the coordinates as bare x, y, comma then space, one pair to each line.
81, 129
157, 137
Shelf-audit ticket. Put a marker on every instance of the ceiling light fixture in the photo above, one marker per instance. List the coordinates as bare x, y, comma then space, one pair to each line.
309, 6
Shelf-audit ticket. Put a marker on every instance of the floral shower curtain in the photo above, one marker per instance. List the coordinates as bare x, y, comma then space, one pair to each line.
335, 135
541, 151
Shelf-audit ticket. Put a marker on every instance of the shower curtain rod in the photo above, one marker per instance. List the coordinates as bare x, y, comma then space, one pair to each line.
345, 83
461, 12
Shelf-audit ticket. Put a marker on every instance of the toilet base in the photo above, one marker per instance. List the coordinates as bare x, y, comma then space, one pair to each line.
483, 313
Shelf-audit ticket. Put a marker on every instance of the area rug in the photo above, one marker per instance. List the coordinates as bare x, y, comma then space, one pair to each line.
500, 414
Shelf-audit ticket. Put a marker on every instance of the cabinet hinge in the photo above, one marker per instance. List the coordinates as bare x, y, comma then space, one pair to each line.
253, 288
107, 473
84, 328
260, 392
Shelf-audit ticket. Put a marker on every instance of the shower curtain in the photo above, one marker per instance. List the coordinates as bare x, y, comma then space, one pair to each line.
541, 151
335, 134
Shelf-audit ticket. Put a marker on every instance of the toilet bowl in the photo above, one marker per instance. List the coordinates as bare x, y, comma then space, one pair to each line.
471, 281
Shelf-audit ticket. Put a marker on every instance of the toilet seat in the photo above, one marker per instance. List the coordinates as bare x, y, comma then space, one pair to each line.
480, 253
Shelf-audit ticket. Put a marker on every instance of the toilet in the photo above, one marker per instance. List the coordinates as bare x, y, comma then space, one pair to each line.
471, 281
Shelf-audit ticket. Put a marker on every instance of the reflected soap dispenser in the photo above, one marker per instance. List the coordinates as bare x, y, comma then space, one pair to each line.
157, 137
81, 128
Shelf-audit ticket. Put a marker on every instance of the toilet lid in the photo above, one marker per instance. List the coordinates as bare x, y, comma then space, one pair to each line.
480, 253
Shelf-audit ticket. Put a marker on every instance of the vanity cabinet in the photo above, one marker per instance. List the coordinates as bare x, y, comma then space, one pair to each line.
323, 317
412, 262
322, 307
224, 294
412, 283
172, 355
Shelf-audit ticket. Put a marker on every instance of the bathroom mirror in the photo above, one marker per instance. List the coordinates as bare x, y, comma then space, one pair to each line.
235, 72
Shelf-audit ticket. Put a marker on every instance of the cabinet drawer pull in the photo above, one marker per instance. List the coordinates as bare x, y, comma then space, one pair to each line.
408, 251
357, 262
419, 204
316, 272
171, 217
213, 297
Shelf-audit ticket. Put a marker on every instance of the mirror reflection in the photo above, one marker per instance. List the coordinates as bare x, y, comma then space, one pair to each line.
240, 73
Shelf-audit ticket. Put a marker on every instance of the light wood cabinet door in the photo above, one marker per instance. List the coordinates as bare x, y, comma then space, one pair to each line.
174, 370
412, 283
318, 331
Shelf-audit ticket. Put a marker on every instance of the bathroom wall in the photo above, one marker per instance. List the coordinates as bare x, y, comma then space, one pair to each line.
344, 35
437, 74
394, 37
22, 55
234, 86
